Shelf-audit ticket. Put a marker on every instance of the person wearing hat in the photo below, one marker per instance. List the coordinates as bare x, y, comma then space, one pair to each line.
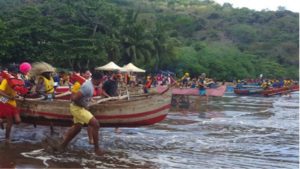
185, 79
45, 83
24, 68
8, 104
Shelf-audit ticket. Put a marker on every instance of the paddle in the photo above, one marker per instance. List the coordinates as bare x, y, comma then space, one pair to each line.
63, 94
168, 88
109, 98
97, 97
31, 99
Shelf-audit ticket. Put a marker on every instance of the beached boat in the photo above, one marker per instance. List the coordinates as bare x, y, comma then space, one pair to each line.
137, 111
218, 91
63, 92
60, 90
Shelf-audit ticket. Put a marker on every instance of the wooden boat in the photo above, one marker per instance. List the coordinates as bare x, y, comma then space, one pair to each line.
63, 92
266, 92
219, 91
137, 111
248, 91
281, 90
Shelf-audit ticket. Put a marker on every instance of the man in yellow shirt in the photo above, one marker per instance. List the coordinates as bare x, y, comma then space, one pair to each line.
80, 113
76, 87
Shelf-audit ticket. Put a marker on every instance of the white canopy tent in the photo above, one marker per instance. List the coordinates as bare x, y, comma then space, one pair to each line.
111, 66
132, 68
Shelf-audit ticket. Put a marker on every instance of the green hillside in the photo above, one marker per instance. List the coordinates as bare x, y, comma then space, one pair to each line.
178, 35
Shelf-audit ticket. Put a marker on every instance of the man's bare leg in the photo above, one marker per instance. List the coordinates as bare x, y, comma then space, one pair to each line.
71, 133
8, 128
17, 118
90, 134
1, 124
95, 126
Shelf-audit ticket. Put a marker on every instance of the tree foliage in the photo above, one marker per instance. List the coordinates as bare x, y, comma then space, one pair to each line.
178, 35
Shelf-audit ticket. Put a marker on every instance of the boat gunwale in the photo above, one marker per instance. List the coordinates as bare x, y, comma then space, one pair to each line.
110, 102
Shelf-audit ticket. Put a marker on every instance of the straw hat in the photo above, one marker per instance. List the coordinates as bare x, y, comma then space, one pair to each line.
41, 67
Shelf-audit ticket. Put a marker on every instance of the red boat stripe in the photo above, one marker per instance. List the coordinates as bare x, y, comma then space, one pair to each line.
129, 124
105, 116
49, 114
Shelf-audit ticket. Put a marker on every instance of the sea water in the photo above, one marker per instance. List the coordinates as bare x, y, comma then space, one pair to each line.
226, 132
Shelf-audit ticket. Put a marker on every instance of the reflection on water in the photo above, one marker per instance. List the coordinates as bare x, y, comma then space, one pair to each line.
227, 132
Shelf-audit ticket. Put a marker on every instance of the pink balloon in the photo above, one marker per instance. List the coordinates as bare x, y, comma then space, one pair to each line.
25, 67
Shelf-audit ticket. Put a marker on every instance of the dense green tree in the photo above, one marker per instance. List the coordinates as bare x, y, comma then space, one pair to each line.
178, 35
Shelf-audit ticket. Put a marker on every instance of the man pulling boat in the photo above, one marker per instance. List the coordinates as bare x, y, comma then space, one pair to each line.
80, 113
9, 87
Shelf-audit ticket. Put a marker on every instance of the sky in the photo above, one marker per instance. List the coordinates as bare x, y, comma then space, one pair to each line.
292, 5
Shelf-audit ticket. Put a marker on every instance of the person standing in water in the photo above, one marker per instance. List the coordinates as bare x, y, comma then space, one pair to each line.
86, 74
81, 116
110, 89
8, 104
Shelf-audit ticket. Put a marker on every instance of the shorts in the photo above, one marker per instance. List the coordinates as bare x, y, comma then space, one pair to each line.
80, 114
202, 92
7, 110
185, 81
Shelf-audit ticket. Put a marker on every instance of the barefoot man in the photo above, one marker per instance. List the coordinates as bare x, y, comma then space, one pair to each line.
81, 115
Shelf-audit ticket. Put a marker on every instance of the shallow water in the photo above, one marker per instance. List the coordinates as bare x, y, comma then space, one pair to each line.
228, 132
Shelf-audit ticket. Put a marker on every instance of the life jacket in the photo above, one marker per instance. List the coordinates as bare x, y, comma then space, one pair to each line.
148, 84
16, 84
77, 78
49, 85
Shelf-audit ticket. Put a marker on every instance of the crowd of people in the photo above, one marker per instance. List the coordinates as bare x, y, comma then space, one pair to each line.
266, 83
201, 82
40, 79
